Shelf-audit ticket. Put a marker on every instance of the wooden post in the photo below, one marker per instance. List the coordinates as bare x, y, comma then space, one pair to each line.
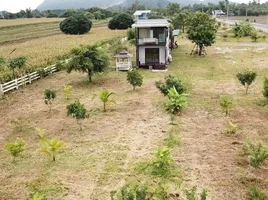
16, 82
30, 78
1, 91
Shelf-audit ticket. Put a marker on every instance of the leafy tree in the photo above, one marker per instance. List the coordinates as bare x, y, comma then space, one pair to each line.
50, 95
89, 15
180, 20
50, 147
76, 24
243, 29
173, 8
176, 101
77, 111
246, 78
15, 148
68, 13
104, 96
67, 90
134, 78
16, 63
131, 34
170, 82
121, 21
265, 87
201, 30
226, 104
255, 193
88, 59
52, 15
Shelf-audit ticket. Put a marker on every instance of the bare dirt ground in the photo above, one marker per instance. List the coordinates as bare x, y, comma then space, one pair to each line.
100, 158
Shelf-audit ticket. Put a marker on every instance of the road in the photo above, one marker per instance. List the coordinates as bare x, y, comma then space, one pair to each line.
262, 27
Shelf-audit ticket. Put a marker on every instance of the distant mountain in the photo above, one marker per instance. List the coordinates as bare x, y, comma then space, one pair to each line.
76, 4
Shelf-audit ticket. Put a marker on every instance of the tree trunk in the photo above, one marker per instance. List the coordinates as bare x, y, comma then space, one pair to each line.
247, 86
89, 72
200, 50
182, 28
104, 107
53, 157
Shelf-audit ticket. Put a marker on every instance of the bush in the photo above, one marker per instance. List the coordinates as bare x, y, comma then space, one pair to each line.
257, 153
265, 87
226, 104
134, 78
254, 36
176, 101
246, 78
52, 15
50, 95
255, 193
121, 21
76, 24
191, 194
170, 82
243, 29
77, 111
131, 34
15, 148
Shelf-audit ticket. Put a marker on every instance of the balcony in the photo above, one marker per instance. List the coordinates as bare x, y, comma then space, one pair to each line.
145, 41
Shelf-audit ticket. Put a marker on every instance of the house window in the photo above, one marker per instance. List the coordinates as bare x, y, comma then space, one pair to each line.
152, 55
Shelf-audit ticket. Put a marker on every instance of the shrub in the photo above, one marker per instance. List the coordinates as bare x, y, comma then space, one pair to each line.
131, 33
131, 192
76, 24
67, 90
15, 148
121, 21
38, 196
246, 78
243, 29
16, 63
257, 153
52, 15
255, 193
176, 101
254, 36
226, 104
104, 96
231, 128
50, 147
265, 87
134, 78
191, 194
170, 82
77, 111
50, 95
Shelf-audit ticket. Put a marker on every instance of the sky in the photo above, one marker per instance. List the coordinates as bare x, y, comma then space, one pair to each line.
17, 5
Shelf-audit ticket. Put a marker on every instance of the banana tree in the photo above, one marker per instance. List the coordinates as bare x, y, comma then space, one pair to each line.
104, 96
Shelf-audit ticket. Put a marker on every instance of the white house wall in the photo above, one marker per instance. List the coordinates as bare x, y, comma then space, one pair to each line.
161, 53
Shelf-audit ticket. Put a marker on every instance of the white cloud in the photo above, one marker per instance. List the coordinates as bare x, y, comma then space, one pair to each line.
17, 5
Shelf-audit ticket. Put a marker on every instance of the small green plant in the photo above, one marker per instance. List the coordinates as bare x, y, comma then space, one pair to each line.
231, 128
254, 36
265, 88
67, 91
255, 193
191, 194
246, 78
226, 104
104, 96
15, 148
130, 192
38, 196
257, 153
162, 162
134, 78
170, 82
176, 101
77, 111
50, 95
19, 124
50, 147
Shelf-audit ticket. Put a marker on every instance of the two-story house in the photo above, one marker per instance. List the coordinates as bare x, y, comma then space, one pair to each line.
152, 43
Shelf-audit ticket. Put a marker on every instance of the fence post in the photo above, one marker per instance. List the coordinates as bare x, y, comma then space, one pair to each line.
1, 91
16, 82
30, 78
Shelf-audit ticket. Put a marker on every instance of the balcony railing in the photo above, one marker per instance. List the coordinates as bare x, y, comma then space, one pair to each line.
148, 41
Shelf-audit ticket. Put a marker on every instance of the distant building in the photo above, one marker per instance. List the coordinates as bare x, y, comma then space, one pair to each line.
1, 14
216, 13
153, 49
141, 14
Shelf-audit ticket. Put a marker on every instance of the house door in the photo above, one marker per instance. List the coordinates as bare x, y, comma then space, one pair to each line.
152, 55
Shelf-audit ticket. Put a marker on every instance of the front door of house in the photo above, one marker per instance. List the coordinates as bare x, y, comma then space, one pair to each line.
152, 55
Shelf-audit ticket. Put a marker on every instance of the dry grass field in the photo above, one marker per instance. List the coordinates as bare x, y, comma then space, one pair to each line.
105, 154
257, 19
21, 22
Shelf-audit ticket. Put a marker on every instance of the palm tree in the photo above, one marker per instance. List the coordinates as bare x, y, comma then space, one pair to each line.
104, 96
50, 147
88, 59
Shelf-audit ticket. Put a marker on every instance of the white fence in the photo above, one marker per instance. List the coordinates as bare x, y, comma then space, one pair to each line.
27, 79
